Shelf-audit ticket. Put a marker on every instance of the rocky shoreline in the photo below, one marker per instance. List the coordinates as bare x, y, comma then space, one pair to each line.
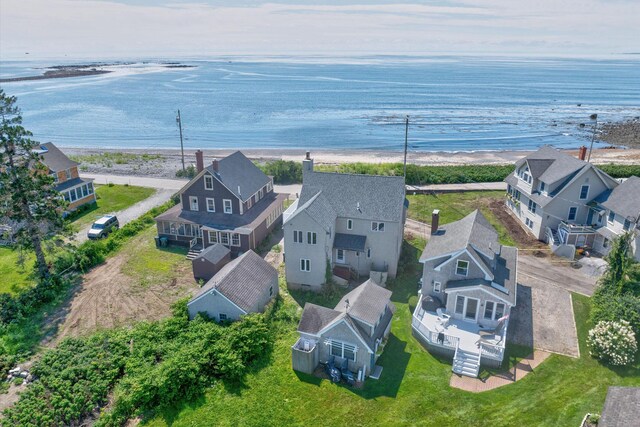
626, 133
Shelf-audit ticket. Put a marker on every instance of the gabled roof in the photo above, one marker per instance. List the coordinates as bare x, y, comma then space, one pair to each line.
214, 253
317, 206
358, 196
367, 302
237, 172
550, 165
244, 281
315, 318
55, 159
473, 229
624, 200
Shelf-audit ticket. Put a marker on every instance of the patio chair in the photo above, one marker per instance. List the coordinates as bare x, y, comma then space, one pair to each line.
443, 317
332, 371
347, 375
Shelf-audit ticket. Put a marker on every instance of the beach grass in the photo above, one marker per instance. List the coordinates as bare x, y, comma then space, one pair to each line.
108, 159
111, 198
455, 206
414, 387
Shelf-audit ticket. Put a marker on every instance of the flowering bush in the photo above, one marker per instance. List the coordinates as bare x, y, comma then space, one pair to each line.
613, 342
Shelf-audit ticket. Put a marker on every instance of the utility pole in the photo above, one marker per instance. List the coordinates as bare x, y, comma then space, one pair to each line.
593, 136
406, 145
179, 122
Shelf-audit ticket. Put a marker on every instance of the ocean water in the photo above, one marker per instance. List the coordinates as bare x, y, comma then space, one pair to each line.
454, 103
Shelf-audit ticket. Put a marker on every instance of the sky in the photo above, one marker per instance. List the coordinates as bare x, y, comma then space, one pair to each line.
103, 29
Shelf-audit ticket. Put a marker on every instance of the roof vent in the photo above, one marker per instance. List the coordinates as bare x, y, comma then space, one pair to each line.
358, 207
346, 304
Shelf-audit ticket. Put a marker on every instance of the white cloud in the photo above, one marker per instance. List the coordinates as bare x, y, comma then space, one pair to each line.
100, 29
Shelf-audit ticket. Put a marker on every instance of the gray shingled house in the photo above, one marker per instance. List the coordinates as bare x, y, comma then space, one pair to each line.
348, 225
469, 285
210, 261
355, 330
229, 202
243, 286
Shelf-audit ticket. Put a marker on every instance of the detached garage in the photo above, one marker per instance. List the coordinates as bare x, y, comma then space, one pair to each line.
210, 261
245, 285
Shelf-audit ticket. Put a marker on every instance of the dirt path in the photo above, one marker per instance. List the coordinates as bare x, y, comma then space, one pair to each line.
107, 298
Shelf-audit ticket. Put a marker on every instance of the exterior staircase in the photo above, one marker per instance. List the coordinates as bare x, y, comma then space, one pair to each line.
194, 252
466, 363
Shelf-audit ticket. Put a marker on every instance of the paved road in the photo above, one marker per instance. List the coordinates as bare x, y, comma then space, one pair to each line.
132, 212
177, 184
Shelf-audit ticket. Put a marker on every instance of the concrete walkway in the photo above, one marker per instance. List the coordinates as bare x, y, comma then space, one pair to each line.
519, 371
132, 212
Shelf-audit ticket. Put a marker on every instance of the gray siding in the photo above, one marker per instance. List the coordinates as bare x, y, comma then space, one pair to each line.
213, 305
480, 295
219, 193
341, 332
318, 254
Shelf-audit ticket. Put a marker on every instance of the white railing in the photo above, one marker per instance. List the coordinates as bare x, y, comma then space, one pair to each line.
491, 351
448, 341
300, 345
574, 228
193, 242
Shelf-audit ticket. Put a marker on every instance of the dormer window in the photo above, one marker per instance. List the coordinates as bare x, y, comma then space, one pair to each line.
542, 187
462, 268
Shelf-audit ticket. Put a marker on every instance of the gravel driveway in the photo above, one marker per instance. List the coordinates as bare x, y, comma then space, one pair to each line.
133, 212
543, 317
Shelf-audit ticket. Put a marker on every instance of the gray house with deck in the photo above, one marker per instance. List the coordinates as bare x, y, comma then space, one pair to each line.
344, 227
355, 330
469, 286
231, 202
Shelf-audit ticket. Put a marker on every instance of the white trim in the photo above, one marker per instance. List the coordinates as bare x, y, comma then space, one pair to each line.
307, 265
191, 199
338, 259
478, 288
466, 269
439, 290
569, 213
207, 203
330, 341
479, 264
217, 293
224, 206
588, 190
205, 182
336, 323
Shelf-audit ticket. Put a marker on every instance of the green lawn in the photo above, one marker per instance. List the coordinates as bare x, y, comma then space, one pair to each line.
414, 387
14, 278
455, 206
111, 198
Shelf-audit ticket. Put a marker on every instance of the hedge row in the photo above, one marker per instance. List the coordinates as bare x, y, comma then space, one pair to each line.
289, 172
150, 366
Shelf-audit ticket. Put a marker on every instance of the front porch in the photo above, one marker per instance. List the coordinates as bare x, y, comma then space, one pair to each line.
468, 343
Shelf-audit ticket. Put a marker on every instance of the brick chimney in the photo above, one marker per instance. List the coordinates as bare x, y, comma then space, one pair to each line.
199, 161
214, 165
435, 221
307, 163
582, 153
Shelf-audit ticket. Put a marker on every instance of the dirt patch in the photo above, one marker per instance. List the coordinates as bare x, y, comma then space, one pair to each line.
108, 298
521, 237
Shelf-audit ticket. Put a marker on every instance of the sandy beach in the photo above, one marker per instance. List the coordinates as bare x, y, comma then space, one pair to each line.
164, 163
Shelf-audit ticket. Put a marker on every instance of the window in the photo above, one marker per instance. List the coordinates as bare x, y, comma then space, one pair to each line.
90, 187
223, 317
211, 204
271, 291
471, 310
573, 212
499, 311
368, 252
611, 216
311, 237
340, 349
228, 207
235, 239
532, 206
462, 268
488, 310
260, 194
208, 182
459, 304
297, 236
66, 196
181, 231
584, 192
193, 203
224, 238
541, 187
528, 222
73, 195
377, 226
626, 225
67, 174
340, 255
213, 237
437, 286
269, 187
305, 265
349, 224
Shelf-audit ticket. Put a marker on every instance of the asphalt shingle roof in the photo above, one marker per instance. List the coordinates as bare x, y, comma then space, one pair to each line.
214, 253
550, 165
235, 171
315, 318
366, 302
624, 199
244, 281
621, 407
55, 159
358, 196
71, 183
473, 229
351, 242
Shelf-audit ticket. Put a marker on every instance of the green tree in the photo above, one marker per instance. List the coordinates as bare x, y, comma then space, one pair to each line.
617, 275
27, 195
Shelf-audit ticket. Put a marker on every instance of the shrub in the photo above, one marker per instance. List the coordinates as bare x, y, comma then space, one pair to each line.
613, 342
189, 172
608, 306
283, 171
